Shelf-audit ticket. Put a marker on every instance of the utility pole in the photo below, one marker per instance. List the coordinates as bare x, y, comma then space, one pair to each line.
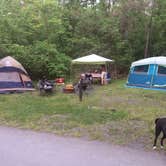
148, 38
149, 28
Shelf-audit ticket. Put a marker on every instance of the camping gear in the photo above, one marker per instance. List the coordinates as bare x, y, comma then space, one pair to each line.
13, 77
148, 73
69, 88
45, 86
59, 81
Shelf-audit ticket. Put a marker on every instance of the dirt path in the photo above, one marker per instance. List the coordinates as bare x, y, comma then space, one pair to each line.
27, 148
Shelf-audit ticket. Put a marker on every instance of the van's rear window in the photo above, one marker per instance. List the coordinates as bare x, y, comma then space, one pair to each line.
162, 70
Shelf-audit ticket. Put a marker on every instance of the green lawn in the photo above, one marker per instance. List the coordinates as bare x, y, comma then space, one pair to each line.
109, 113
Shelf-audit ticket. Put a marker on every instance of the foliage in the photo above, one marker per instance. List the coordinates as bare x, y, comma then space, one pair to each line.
44, 35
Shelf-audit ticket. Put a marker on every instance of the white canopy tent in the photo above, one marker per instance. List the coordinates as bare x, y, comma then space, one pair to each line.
91, 59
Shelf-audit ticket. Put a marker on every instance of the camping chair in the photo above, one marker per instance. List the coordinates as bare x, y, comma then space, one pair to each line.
45, 86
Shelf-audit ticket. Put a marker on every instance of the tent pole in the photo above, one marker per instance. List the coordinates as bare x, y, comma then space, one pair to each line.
106, 66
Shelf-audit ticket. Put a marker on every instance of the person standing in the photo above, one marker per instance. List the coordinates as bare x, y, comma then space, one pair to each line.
103, 76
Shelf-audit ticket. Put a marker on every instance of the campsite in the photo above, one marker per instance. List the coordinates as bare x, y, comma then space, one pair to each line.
105, 112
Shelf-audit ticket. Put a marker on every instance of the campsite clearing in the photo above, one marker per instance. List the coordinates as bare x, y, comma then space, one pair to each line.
111, 113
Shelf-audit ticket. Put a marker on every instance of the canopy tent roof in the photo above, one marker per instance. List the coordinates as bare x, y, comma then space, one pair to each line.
91, 59
11, 62
160, 60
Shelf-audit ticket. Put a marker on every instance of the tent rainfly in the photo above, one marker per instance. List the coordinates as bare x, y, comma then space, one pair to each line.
13, 76
91, 59
148, 73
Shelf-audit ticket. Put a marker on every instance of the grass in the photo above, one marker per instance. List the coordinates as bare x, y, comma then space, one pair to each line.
111, 113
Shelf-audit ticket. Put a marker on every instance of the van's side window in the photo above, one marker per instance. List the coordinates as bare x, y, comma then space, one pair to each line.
141, 69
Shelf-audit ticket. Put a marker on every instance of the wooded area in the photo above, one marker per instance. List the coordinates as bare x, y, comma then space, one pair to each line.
44, 35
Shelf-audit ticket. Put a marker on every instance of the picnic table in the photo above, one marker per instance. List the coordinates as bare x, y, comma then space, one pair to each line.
96, 77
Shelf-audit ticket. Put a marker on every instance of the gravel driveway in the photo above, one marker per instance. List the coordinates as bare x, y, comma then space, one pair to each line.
27, 148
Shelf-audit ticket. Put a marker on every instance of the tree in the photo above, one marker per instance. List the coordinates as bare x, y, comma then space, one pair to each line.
158, 42
45, 34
